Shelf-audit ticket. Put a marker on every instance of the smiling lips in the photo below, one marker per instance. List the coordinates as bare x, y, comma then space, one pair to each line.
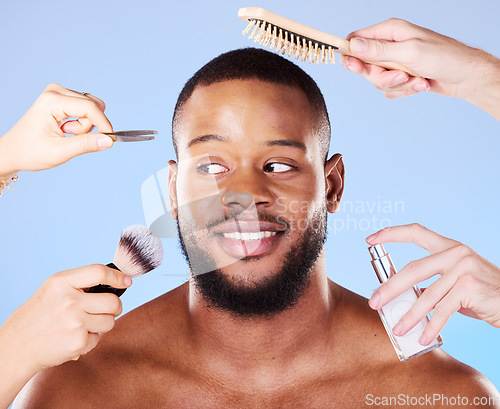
249, 236
244, 238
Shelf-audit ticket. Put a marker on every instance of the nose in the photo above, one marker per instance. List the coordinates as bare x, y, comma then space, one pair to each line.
243, 189
236, 198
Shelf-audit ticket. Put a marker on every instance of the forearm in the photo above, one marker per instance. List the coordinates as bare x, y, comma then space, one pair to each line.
6, 169
10, 385
484, 92
14, 373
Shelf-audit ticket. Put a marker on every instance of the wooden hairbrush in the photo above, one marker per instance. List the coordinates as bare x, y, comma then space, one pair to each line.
307, 43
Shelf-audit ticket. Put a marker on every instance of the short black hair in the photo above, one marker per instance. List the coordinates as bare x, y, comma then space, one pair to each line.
254, 63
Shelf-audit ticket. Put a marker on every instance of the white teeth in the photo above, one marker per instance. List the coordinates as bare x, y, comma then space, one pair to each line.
249, 236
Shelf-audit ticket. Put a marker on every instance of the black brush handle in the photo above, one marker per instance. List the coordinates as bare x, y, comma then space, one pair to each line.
103, 288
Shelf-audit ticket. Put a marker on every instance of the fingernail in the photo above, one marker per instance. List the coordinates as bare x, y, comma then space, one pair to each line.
371, 238
400, 79
374, 301
421, 87
423, 340
127, 281
398, 328
358, 45
104, 142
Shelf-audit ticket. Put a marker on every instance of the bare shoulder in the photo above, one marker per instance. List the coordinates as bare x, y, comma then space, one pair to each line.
434, 374
112, 371
455, 380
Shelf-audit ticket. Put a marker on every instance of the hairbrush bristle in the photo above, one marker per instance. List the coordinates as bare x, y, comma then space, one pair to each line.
305, 48
139, 251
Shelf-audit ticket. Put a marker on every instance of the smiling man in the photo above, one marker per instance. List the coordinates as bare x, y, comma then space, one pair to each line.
259, 324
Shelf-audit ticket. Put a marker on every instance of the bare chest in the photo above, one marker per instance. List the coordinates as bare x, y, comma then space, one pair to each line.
205, 394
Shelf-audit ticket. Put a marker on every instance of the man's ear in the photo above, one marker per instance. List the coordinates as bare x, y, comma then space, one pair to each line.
172, 187
334, 177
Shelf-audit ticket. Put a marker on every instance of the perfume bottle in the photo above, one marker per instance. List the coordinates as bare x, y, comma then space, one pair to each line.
407, 346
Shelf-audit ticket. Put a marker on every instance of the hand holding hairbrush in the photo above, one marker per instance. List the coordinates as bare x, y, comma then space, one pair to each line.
306, 43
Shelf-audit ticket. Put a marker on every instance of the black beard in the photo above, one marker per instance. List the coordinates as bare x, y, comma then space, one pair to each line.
270, 296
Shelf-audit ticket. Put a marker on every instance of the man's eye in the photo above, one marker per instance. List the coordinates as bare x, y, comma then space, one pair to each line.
278, 167
211, 168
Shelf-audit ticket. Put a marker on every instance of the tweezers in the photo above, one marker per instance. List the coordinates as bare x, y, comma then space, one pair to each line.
131, 136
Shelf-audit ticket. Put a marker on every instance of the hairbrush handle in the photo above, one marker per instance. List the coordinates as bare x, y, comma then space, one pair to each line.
390, 65
103, 288
345, 49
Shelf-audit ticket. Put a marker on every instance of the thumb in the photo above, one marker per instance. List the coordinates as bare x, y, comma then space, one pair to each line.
79, 144
381, 50
95, 274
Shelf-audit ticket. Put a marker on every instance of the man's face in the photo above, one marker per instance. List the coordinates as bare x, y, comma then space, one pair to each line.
249, 191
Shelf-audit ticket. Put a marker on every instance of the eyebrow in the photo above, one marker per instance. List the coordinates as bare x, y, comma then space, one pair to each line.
287, 142
278, 142
206, 138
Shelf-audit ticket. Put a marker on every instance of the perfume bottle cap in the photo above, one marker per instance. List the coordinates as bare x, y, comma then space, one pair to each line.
377, 251
382, 263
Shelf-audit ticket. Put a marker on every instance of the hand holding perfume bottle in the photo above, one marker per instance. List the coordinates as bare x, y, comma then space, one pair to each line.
468, 284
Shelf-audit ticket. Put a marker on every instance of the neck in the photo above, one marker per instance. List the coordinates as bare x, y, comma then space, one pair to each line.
254, 342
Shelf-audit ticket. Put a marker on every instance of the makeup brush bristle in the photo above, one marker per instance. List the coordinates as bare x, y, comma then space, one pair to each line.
139, 251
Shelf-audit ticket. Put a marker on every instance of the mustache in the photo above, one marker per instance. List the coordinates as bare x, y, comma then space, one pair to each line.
261, 216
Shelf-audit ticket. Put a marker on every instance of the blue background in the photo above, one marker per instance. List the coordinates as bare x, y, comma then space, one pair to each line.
437, 156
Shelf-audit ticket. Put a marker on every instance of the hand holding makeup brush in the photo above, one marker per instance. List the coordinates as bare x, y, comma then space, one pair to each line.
58, 323
37, 140
66, 316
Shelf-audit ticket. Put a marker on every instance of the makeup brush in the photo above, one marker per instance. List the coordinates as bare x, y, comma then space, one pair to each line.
139, 251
